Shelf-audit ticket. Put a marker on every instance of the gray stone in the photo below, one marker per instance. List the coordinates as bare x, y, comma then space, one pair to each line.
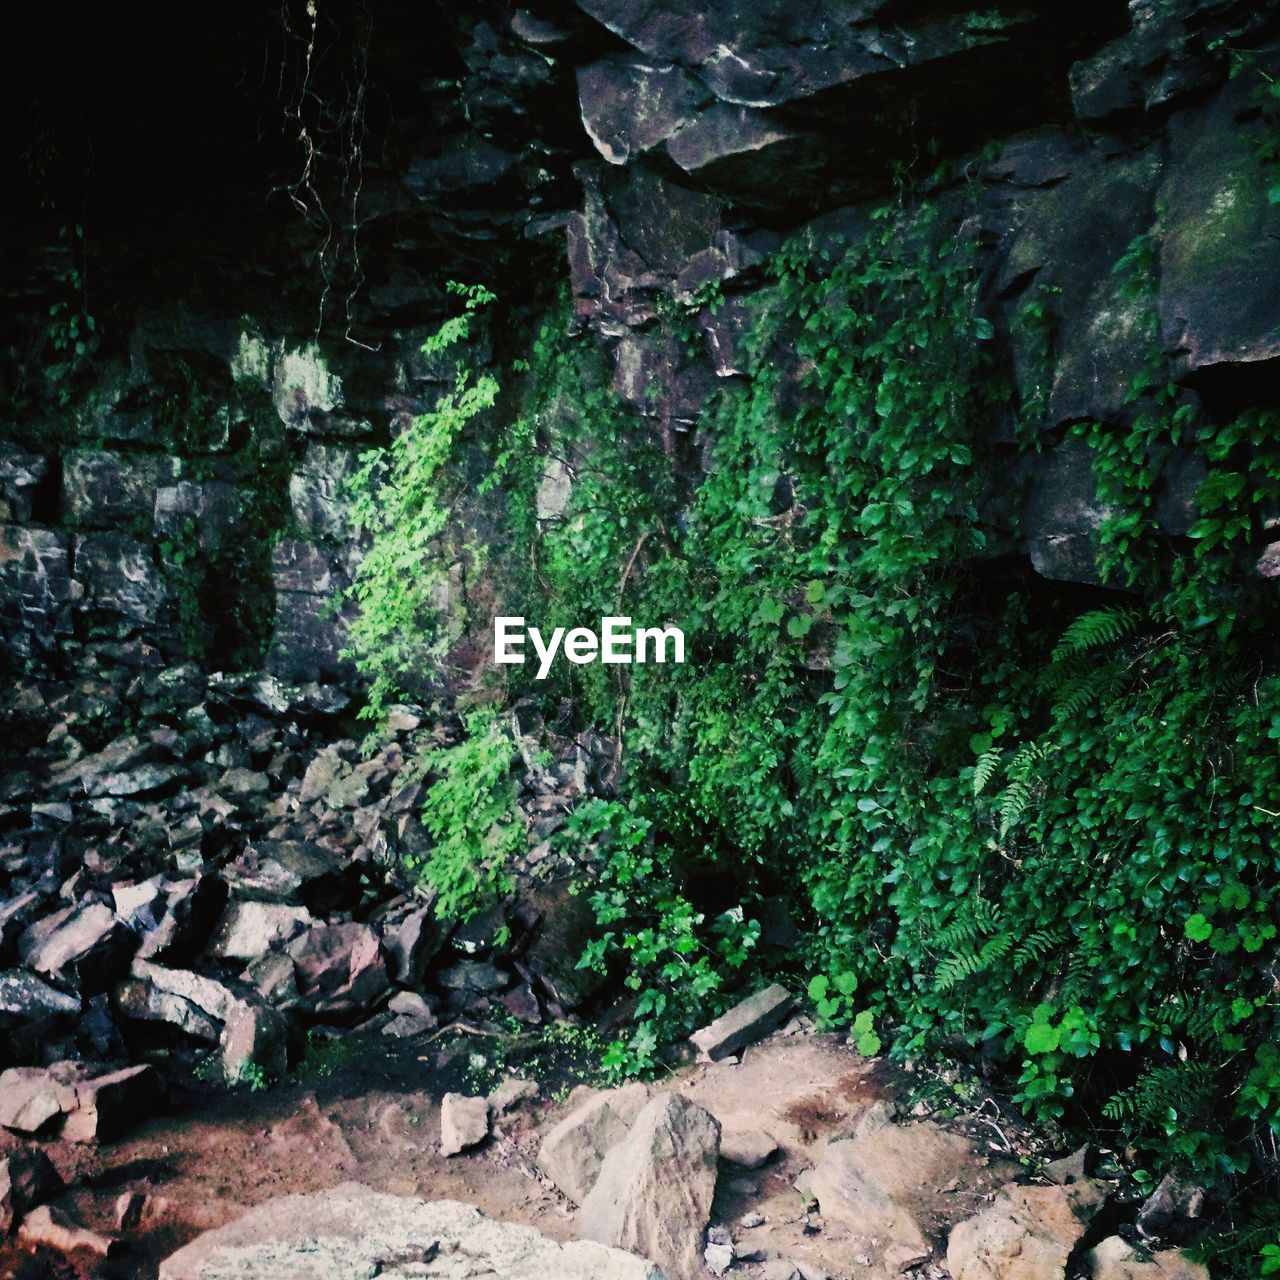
1063, 516
31, 1004
318, 493
192, 908
250, 929
288, 871
107, 1105
574, 1150
27, 1178
748, 1021
1117, 1259
35, 578
474, 976
21, 474
90, 949
653, 1195
351, 1230
250, 1036
464, 1123
1171, 1210
511, 1093
118, 577
630, 105
411, 942
104, 489
34, 1100
1219, 272
340, 968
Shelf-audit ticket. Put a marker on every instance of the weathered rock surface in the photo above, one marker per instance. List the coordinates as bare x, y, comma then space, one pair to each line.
351, 1230
653, 1195
746, 1022
879, 1182
464, 1123
574, 1150
1026, 1233
1117, 1259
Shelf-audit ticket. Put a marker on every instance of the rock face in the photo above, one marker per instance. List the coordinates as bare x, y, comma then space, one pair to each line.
572, 1153
1027, 1233
653, 1195
354, 1231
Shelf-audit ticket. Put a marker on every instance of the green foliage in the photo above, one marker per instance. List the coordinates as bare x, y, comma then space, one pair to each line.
403, 498
1041, 830
471, 814
674, 959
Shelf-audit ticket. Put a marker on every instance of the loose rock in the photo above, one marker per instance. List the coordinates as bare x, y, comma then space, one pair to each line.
653, 1195
464, 1123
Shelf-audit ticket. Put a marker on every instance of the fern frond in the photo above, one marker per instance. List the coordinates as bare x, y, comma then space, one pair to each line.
1015, 800
1181, 1087
1096, 628
985, 769
1035, 946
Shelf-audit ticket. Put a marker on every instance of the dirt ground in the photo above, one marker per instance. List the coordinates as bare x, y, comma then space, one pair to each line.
374, 1117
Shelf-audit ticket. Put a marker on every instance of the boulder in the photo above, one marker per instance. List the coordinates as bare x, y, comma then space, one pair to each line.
574, 1150
34, 1099
1219, 274
249, 929
67, 1099
874, 1182
748, 1021
294, 871
464, 1123
90, 949
27, 1178
29, 1005
107, 1105
1026, 1233
1172, 1210
340, 968
653, 1195
351, 1230
1117, 1259
192, 908
412, 940
50, 1228
250, 1036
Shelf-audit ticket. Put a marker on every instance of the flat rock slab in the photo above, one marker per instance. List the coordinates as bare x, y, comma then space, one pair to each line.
352, 1230
744, 1024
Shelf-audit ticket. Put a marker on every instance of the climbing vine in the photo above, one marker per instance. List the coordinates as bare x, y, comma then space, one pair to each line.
1041, 832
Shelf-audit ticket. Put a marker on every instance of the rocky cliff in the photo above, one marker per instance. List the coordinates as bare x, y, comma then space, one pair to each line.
212, 306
